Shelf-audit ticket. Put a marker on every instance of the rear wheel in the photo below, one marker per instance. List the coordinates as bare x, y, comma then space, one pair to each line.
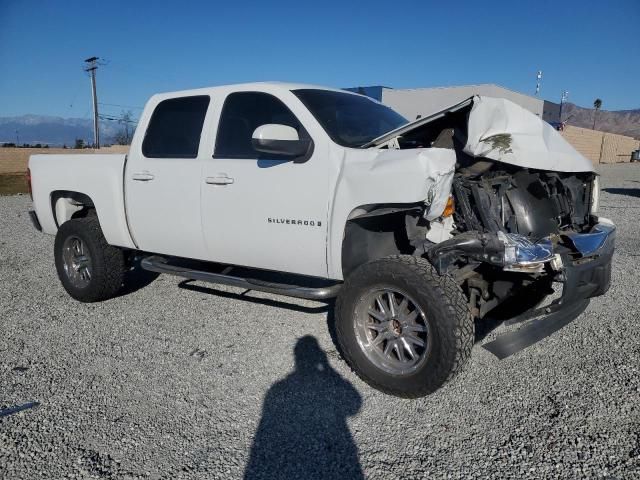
403, 328
89, 268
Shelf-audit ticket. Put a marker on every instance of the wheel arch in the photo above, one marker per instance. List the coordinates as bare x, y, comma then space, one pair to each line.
70, 204
380, 230
66, 205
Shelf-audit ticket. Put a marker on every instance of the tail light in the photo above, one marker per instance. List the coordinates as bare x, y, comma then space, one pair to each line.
29, 183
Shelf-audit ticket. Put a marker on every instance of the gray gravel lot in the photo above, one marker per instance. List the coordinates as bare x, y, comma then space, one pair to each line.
183, 380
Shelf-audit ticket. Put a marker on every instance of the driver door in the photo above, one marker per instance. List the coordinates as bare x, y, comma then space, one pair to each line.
258, 210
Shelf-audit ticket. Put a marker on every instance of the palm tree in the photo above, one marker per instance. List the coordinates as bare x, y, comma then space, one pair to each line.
596, 105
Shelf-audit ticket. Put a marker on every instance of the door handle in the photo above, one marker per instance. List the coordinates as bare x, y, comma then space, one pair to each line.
221, 179
142, 176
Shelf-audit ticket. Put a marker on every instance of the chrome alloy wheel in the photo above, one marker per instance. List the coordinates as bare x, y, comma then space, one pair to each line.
392, 331
77, 261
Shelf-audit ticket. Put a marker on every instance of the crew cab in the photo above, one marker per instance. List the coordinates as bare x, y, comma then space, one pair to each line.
420, 229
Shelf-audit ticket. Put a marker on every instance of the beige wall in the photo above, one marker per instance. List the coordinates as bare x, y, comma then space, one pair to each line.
600, 147
618, 148
15, 160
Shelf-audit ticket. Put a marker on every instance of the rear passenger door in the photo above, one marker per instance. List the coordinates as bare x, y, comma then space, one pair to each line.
162, 179
259, 210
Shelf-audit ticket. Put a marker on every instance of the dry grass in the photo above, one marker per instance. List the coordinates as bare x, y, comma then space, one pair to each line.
12, 183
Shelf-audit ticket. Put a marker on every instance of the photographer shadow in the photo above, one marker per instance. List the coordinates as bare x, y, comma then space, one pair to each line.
303, 432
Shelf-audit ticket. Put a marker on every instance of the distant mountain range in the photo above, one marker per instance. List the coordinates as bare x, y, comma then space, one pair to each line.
623, 122
55, 131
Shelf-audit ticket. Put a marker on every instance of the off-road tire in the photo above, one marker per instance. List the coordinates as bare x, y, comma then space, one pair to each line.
445, 307
108, 262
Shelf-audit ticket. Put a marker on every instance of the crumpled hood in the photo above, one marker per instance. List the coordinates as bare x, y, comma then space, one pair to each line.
501, 130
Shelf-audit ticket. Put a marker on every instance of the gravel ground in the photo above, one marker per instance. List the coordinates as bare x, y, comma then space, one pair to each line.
180, 380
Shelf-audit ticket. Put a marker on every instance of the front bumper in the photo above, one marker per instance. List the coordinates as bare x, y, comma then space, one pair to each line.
590, 275
585, 273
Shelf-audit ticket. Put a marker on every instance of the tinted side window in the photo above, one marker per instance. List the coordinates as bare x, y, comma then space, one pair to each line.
242, 113
175, 127
350, 120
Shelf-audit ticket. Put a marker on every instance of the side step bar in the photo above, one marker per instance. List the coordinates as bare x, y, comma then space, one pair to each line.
156, 263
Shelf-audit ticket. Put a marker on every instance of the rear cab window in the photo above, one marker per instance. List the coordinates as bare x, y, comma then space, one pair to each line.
175, 128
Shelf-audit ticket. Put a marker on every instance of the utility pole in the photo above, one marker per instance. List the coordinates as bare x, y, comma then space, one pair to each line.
91, 65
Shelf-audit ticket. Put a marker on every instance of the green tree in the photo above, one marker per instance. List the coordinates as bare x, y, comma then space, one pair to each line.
79, 143
596, 105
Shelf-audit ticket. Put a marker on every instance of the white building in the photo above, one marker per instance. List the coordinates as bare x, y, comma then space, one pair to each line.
415, 102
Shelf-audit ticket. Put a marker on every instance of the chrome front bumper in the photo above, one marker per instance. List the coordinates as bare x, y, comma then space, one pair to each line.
588, 244
522, 255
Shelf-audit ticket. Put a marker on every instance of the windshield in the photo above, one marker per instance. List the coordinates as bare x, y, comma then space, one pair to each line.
350, 120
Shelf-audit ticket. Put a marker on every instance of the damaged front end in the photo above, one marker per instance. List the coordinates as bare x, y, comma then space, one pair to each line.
535, 228
524, 224
521, 236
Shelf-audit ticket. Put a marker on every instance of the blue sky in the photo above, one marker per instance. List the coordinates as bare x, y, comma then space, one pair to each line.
590, 48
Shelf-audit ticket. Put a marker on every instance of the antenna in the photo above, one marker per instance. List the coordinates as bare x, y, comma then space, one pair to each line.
538, 81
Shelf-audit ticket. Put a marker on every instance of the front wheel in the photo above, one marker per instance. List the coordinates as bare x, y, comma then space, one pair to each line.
403, 328
89, 268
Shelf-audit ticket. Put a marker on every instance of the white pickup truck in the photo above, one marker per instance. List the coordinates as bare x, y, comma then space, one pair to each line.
419, 228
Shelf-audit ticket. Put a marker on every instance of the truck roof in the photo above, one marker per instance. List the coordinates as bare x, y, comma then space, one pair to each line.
239, 87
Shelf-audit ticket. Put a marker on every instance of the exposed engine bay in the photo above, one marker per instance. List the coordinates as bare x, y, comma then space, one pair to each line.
523, 207
534, 204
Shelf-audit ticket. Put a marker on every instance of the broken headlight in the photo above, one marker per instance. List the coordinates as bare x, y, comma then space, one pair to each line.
521, 254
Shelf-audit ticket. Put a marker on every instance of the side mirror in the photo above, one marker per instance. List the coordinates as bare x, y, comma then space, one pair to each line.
276, 139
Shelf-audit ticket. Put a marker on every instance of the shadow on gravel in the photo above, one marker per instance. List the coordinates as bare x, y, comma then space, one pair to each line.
135, 279
629, 192
188, 285
303, 431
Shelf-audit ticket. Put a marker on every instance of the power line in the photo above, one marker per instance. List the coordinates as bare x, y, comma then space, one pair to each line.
116, 119
122, 106
86, 113
124, 119
75, 95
